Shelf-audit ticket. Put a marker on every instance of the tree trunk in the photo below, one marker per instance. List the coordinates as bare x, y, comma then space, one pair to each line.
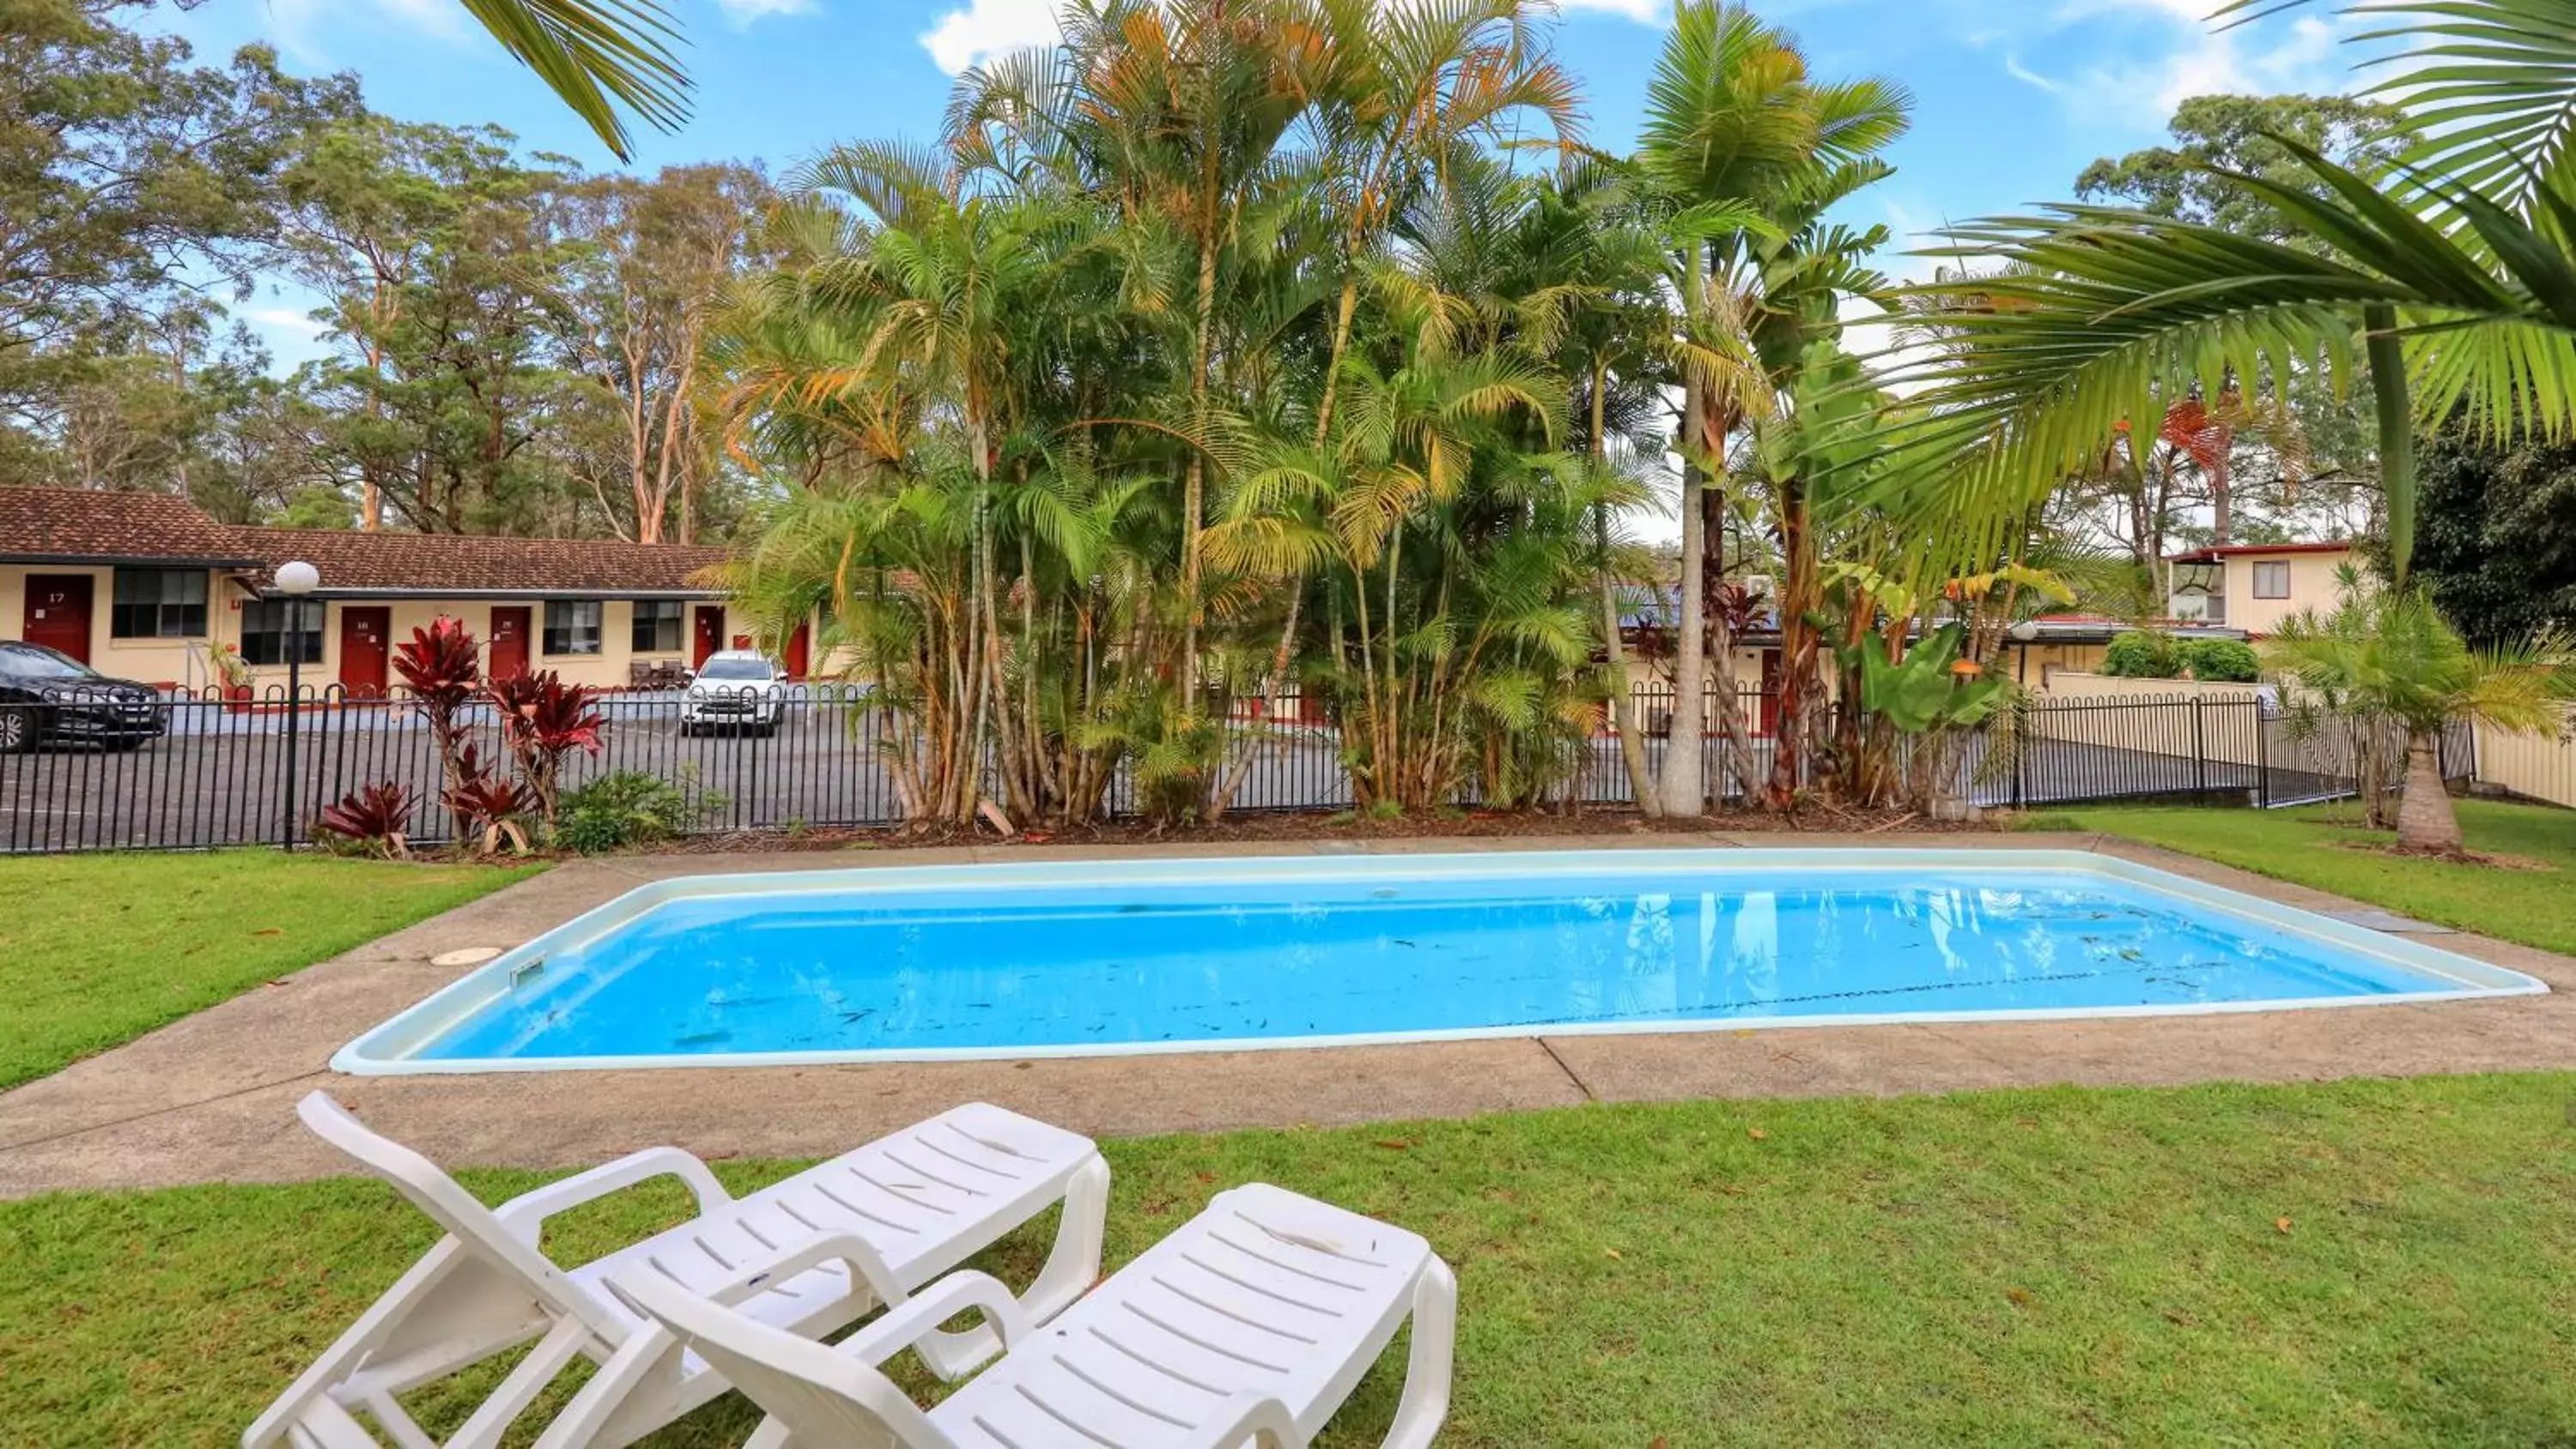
1623, 686
2222, 501
1623, 702
2426, 823
2396, 435
1193, 486
1684, 783
1797, 647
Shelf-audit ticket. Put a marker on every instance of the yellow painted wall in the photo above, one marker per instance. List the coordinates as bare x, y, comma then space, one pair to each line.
2542, 767
150, 661
607, 669
182, 661
2073, 684
2036, 665
2228, 735
1657, 674
2312, 586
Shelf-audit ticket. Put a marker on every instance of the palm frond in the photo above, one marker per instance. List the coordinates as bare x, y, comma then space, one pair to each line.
598, 56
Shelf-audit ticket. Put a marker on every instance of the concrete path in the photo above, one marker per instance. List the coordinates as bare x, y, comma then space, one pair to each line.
211, 1098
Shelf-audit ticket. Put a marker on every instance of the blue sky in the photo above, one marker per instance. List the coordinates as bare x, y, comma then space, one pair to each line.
2013, 97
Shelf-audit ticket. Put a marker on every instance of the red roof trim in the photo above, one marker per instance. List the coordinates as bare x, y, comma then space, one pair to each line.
2236, 550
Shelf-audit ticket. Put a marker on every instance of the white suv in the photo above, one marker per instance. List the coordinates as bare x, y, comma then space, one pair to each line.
735, 689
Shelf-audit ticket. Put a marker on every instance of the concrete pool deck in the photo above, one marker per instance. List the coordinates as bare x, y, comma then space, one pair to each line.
211, 1098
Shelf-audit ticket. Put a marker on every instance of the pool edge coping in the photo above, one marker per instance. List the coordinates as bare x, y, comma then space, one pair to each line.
440, 1011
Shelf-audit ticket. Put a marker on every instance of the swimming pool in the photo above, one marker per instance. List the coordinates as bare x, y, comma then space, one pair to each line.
1071, 958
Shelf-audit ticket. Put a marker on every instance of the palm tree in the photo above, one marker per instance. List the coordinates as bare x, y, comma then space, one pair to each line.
1590, 270
1734, 124
2389, 655
1172, 115
598, 56
2451, 277
1399, 92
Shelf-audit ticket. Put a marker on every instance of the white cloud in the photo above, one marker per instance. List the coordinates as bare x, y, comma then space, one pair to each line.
2231, 62
301, 29
2149, 56
284, 319
744, 12
442, 18
980, 30
988, 28
2020, 72
1644, 12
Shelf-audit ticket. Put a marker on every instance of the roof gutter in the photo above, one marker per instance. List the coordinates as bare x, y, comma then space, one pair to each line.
129, 561
435, 592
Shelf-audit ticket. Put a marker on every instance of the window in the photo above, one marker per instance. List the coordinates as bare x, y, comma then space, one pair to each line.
2271, 581
737, 666
159, 604
657, 626
35, 661
572, 626
266, 624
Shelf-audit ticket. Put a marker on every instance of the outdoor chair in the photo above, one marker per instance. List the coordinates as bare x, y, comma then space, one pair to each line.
897, 1213
1250, 1324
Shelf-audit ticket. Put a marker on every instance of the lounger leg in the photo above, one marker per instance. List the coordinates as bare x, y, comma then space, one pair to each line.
1073, 1265
1426, 1372
628, 1398
553, 1352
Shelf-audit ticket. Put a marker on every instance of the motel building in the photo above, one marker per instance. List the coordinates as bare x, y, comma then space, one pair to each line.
142, 586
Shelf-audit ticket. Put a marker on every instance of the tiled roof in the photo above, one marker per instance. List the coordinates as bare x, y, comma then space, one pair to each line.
426, 563
74, 523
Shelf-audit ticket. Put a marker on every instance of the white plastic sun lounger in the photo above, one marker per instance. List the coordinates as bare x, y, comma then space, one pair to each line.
1250, 1324
898, 1212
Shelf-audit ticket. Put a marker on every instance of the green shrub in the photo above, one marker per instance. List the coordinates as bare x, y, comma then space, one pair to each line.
2142, 654
626, 808
2223, 661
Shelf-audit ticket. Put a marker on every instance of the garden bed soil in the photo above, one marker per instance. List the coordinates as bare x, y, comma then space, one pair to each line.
1317, 825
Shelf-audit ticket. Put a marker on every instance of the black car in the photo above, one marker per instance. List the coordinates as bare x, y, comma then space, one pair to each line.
52, 698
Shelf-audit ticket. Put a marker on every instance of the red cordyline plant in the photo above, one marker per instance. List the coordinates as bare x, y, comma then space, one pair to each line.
375, 818
543, 720
488, 809
443, 670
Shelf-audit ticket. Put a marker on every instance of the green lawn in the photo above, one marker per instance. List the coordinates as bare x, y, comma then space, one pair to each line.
2361, 1262
2313, 847
96, 950
2356, 1263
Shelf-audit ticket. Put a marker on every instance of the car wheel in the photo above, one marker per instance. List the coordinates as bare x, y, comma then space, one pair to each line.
17, 730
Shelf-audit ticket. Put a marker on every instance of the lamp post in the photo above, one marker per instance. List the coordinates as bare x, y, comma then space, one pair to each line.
295, 581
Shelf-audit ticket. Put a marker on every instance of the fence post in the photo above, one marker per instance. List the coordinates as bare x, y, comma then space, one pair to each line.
2021, 748
2199, 750
751, 820
2262, 757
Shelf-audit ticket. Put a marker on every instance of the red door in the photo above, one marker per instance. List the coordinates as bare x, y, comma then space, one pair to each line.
58, 613
365, 635
706, 634
800, 648
509, 642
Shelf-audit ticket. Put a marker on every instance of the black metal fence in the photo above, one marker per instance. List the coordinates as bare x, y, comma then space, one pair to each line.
189, 772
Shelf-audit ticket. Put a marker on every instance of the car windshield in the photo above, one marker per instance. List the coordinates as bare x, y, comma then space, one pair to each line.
735, 669
35, 661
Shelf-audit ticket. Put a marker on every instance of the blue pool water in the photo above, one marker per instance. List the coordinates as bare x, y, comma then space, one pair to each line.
1272, 953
